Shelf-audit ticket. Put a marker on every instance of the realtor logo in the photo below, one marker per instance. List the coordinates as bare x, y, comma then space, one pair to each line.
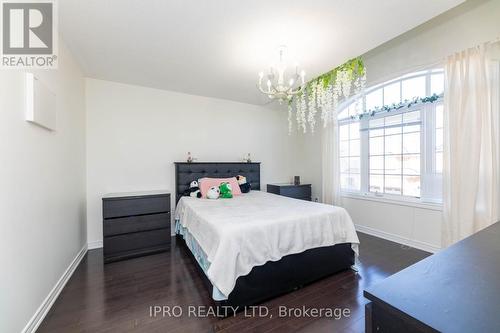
29, 39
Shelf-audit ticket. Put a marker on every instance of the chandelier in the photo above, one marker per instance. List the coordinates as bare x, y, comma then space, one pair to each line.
278, 85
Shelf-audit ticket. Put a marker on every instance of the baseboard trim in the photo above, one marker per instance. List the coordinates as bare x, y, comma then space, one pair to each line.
47, 303
398, 239
94, 245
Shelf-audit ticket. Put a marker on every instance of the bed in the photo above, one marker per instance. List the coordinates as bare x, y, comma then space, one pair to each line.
259, 245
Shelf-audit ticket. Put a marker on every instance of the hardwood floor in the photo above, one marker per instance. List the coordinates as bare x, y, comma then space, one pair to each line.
118, 297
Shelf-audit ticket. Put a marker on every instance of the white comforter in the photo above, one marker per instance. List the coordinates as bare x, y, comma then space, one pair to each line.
254, 228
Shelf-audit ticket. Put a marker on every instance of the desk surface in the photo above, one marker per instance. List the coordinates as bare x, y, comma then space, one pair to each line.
454, 290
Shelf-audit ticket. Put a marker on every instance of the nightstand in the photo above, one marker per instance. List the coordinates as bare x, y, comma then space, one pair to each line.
135, 224
302, 191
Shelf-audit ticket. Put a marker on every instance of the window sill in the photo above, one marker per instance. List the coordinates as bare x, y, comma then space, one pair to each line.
401, 202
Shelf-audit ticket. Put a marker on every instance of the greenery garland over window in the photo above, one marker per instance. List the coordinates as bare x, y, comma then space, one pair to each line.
394, 107
324, 93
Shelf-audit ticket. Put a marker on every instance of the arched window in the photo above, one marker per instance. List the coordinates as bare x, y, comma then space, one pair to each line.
391, 139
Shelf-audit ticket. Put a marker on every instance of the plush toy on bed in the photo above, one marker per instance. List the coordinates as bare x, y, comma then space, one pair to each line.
244, 186
226, 192
193, 190
213, 192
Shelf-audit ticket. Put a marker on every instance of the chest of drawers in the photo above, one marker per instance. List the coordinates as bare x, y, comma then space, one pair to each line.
135, 224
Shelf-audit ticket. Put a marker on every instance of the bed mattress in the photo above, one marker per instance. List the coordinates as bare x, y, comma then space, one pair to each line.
229, 237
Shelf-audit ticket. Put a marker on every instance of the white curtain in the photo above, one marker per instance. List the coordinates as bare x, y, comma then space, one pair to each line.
331, 162
470, 161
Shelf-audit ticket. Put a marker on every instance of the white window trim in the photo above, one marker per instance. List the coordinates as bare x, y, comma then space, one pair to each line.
393, 200
427, 140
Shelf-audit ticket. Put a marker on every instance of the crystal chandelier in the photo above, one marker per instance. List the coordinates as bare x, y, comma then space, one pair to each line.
278, 85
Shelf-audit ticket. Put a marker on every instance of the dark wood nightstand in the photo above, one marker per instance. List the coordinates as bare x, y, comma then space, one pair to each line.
302, 191
135, 224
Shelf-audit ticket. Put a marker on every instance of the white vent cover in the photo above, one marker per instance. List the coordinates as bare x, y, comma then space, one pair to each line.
40, 103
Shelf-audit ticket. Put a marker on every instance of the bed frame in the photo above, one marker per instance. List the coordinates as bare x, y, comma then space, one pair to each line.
274, 277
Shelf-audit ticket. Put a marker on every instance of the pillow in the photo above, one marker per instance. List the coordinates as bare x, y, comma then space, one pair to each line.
206, 183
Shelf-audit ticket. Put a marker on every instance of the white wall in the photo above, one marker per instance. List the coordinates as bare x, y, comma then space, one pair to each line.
413, 225
467, 25
42, 196
135, 134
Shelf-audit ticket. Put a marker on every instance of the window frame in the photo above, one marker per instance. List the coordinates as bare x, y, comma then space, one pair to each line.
427, 141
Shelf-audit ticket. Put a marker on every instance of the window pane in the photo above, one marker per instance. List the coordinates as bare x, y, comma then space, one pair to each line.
393, 130
377, 164
393, 165
413, 88
344, 132
439, 162
354, 182
377, 132
374, 99
354, 165
377, 146
411, 128
343, 114
344, 148
411, 164
393, 120
349, 182
376, 183
377, 122
344, 181
392, 184
439, 116
352, 109
411, 117
354, 148
344, 164
392, 94
411, 186
354, 130
437, 84
439, 139
393, 124
393, 144
411, 143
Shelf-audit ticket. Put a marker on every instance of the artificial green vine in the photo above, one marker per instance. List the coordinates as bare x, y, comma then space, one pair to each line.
322, 94
354, 67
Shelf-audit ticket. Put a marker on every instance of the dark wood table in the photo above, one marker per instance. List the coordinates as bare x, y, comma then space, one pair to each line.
454, 290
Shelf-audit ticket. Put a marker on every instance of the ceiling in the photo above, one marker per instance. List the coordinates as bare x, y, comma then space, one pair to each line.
217, 48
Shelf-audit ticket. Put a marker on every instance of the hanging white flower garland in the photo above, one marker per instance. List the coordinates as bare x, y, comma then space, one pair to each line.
324, 94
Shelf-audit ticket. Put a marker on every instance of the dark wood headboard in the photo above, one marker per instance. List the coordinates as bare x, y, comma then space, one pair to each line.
185, 173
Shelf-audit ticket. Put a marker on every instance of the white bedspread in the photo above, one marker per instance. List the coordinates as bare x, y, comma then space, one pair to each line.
254, 228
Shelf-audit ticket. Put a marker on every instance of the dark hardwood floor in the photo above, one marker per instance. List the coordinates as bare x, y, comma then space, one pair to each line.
117, 297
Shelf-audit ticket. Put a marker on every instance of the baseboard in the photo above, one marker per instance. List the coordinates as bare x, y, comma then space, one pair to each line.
47, 303
398, 239
94, 245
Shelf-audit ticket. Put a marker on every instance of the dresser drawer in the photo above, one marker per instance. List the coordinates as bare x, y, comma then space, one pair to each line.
113, 245
124, 225
119, 207
298, 192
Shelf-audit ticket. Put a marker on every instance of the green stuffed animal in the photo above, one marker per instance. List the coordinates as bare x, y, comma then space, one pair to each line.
226, 192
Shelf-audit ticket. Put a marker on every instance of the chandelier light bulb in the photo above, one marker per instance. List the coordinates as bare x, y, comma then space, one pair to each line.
282, 85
